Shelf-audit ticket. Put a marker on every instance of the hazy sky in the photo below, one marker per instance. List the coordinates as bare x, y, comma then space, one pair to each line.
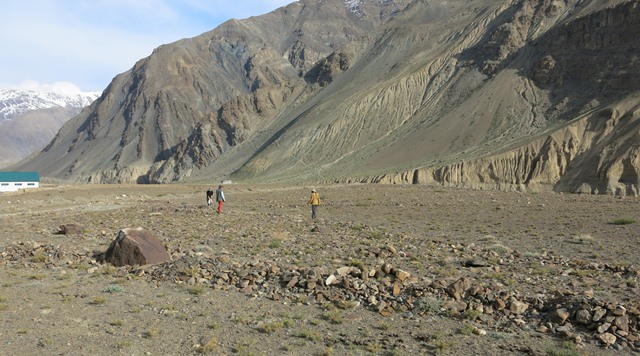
85, 43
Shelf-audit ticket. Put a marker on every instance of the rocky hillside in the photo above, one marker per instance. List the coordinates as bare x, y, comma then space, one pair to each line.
527, 94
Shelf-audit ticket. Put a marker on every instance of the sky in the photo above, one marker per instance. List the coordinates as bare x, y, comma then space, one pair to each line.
73, 45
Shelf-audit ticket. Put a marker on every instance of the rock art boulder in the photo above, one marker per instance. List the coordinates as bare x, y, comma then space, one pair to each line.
136, 247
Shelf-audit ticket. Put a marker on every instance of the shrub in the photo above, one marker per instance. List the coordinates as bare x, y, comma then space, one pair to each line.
623, 221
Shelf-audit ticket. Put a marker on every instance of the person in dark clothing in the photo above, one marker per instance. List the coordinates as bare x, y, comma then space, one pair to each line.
209, 196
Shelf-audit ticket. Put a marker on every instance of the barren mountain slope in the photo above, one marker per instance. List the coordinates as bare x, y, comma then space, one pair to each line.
467, 84
360, 91
189, 101
31, 131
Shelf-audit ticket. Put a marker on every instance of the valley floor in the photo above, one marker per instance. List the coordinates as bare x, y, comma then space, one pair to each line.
416, 270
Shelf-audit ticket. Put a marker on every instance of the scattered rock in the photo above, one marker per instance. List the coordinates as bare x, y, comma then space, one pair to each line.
517, 307
70, 229
607, 338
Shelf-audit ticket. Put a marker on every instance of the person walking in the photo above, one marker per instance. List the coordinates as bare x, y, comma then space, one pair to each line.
314, 201
220, 198
209, 196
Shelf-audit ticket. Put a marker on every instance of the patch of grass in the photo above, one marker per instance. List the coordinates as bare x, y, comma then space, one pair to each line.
443, 345
151, 333
309, 335
347, 304
467, 329
499, 249
580, 273
116, 322
38, 257
429, 305
122, 344
98, 300
357, 227
541, 270
45, 342
582, 239
333, 316
377, 234
113, 288
356, 263
38, 277
472, 314
198, 290
209, 346
275, 243
623, 221
374, 347
270, 327
566, 349
327, 351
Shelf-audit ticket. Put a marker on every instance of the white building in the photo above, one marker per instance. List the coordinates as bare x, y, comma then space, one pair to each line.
12, 181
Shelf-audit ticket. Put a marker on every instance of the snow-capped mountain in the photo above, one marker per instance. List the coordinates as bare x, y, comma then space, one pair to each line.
14, 103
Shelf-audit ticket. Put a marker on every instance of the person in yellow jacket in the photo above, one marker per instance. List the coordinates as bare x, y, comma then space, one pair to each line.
314, 200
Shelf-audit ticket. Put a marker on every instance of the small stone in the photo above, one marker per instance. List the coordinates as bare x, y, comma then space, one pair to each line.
456, 306
478, 331
607, 338
604, 327
402, 275
542, 329
343, 271
559, 316
565, 330
583, 316
396, 289
622, 322
517, 307
311, 285
619, 311
331, 280
598, 313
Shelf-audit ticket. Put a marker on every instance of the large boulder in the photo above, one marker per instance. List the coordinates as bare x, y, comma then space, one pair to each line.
136, 247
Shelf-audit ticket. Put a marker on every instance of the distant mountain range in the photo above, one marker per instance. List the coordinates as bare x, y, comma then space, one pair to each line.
14, 103
30, 119
487, 94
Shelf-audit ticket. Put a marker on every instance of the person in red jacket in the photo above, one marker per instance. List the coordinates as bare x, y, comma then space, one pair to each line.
220, 198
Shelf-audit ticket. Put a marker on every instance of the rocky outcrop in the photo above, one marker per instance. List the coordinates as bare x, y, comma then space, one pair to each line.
597, 153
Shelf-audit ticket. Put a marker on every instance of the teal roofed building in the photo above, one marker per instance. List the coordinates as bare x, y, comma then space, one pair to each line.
12, 181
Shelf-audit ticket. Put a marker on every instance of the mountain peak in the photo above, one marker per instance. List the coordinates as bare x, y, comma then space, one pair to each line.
14, 103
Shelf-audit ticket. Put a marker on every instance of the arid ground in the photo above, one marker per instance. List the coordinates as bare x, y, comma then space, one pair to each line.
384, 270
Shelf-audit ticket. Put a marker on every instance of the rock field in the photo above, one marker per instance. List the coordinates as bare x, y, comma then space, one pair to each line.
384, 270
